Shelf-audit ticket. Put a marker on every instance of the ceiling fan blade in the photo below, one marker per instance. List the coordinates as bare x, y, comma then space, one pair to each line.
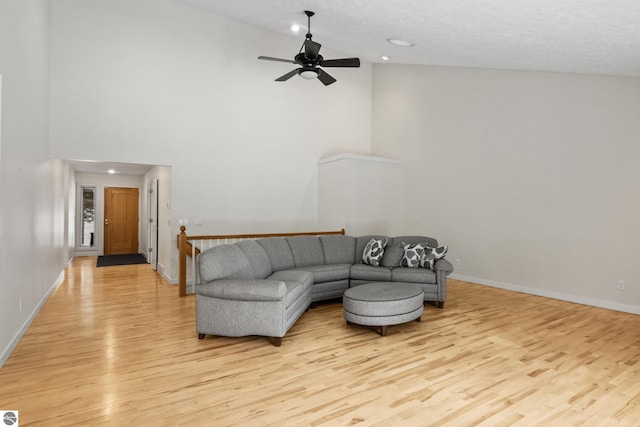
325, 78
344, 62
288, 75
311, 49
269, 58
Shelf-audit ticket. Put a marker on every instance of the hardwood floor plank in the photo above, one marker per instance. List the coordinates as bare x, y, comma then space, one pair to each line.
116, 344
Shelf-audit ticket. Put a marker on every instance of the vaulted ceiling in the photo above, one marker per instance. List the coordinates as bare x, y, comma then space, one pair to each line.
576, 36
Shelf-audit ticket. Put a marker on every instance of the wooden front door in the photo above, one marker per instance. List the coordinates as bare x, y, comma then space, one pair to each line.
120, 220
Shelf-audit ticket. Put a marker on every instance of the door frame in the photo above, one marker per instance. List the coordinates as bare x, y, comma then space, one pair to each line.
100, 184
79, 208
98, 218
153, 212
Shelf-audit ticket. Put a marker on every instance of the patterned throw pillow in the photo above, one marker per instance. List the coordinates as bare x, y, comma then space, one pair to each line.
412, 254
374, 251
431, 255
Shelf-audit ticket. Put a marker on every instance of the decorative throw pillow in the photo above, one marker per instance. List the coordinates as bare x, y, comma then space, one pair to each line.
374, 251
412, 255
431, 255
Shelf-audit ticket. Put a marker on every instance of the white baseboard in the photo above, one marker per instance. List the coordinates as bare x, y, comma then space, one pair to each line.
190, 284
610, 305
169, 279
164, 275
18, 336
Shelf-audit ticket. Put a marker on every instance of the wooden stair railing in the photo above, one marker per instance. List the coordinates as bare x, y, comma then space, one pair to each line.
186, 248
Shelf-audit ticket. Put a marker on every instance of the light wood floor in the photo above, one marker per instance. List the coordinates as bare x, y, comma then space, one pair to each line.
116, 346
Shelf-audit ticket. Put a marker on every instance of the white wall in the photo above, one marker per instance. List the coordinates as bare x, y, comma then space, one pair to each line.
32, 189
361, 194
530, 178
158, 82
100, 181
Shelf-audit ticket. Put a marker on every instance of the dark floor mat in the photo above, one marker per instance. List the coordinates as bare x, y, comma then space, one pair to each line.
123, 259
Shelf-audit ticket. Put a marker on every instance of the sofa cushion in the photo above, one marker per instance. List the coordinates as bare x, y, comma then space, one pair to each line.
297, 282
257, 258
431, 255
373, 251
368, 272
329, 290
430, 241
392, 255
278, 252
224, 262
328, 273
338, 249
413, 275
362, 241
306, 250
412, 255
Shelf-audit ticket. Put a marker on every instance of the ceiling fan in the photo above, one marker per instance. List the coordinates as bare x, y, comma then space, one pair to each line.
310, 61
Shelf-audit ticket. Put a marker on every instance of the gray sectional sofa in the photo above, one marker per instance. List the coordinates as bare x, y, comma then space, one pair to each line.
261, 287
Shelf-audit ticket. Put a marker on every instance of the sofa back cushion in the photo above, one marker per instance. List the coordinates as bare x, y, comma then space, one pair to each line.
278, 252
224, 262
433, 243
338, 249
306, 250
257, 258
392, 255
362, 241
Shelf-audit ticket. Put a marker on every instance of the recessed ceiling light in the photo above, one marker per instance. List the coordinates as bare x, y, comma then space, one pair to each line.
111, 171
295, 28
398, 42
385, 58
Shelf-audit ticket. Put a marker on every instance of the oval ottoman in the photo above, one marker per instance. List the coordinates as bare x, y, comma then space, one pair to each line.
383, 304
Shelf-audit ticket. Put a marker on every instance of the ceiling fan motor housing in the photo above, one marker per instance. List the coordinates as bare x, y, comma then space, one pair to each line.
303, 60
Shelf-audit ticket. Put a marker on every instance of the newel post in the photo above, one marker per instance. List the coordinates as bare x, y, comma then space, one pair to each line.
182, 261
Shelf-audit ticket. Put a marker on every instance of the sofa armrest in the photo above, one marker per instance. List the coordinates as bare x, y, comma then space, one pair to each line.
443, 265
244, 289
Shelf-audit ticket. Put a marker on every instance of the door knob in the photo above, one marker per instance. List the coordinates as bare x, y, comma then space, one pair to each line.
106, 221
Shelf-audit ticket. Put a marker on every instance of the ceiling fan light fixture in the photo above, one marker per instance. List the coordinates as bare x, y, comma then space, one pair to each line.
398, 42
308, 74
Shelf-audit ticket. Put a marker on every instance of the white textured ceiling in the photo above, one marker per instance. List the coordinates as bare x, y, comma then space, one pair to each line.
576, 36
